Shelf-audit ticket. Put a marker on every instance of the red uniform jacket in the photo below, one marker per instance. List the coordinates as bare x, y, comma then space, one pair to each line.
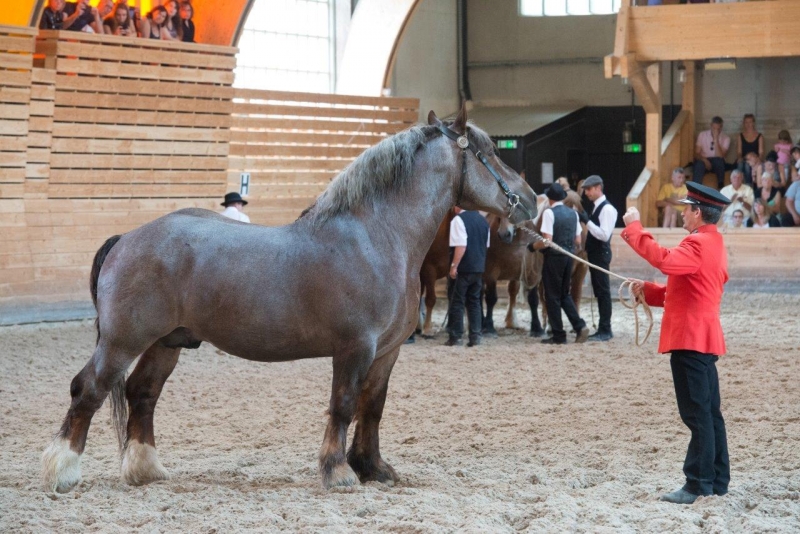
696, 271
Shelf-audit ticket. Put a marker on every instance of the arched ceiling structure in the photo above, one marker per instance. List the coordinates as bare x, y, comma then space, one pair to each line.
375, 31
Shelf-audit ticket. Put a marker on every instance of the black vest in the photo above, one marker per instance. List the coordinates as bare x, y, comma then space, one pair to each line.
474, 259
565, 225
594, 245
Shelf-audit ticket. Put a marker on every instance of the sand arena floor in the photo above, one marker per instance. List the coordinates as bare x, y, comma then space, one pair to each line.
509, 436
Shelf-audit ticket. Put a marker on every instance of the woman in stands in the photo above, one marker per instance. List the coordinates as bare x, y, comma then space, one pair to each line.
119, 22
762, 216
795, 167
750, 140
187, 24
768, 193
172, 26
153, 24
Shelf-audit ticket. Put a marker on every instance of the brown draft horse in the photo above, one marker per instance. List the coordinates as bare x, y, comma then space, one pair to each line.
509, 259
342, 281
435, 266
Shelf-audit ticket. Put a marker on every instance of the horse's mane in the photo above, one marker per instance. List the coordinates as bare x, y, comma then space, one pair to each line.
385, 167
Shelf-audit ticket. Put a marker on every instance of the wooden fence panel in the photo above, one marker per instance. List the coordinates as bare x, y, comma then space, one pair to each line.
292, 144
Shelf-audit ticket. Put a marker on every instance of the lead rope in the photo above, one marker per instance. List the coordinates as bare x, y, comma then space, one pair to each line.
631, 302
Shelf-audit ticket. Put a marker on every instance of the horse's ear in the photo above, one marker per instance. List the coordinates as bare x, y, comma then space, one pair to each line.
460, 124
433, 120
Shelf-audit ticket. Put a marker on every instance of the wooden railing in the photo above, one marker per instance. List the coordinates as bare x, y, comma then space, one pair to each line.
101, 134
292, 144
676, 151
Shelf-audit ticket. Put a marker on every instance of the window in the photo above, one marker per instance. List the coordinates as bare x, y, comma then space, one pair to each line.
287, 45
555, 8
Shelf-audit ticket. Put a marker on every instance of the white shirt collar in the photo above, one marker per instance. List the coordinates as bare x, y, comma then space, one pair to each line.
559, 203
599, 200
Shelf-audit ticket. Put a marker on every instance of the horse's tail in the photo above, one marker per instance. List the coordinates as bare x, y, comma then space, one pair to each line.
99, 258
119, 404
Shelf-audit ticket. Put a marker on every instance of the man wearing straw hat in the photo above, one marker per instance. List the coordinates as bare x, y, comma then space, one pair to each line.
696, 270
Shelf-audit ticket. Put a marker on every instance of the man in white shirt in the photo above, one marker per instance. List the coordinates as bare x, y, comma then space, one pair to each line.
741, 196
600, 224
709, 153
469, 239
560, 225
234, 203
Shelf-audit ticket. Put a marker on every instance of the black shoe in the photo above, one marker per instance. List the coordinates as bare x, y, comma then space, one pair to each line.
680, 496
537, 332
474, 342
453, 342
583, 335
553, 341
601, 336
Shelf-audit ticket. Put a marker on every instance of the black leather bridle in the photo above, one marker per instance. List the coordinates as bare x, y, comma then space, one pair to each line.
463, 143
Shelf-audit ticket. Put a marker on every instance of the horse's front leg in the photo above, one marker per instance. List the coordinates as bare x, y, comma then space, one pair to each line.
349, 371
364, 455
513, 290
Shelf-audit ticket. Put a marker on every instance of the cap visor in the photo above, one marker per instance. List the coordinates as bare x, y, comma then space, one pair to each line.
691, 201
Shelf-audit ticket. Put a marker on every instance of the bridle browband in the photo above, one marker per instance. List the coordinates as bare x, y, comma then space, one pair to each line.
463, 143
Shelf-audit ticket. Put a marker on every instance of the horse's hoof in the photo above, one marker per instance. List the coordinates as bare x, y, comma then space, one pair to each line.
427, 336
371, 470
537, 333
341, 475
140, 464
490, 332
61, 467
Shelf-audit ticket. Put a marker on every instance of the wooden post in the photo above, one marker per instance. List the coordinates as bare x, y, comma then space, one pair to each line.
688, 104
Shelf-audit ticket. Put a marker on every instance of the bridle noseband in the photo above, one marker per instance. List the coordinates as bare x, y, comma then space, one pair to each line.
463, 143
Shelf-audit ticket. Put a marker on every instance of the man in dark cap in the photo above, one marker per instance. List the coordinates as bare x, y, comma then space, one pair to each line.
696, 270
234, 203
600, 222
560, 225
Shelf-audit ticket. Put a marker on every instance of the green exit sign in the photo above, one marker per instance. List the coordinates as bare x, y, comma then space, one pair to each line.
632, 148
507, 143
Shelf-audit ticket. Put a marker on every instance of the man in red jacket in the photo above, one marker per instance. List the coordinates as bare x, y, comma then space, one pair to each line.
696, 270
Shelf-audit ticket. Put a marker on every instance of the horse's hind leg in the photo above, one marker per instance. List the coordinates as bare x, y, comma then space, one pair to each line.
105, 371
430, 301
364, 455
349, 371
490, 292
140, 463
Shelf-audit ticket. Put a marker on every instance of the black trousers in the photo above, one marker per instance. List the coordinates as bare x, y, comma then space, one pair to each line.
465, 291
556, 278
707, 467
602, 289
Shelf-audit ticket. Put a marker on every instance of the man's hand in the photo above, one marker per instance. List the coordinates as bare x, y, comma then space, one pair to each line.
796, 219
637, 288
632, 215
583, 217
453, 272
734, 197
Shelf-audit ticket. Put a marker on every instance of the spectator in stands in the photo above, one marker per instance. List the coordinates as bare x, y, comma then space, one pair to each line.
563, 182
756, 169
741, 196
187, 24
120, 22
770, 194
88, 19
750, 140
737, 219
173, 23
669, 197
53, 16
762, 216
784, 148
710, 150
771, 167
105, 8
792, 215
795, 167
234, 204
153, 24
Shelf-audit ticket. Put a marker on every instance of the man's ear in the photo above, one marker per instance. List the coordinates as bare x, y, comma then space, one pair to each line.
460, 124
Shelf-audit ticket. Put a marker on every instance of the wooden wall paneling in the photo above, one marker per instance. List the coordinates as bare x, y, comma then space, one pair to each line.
293, 144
